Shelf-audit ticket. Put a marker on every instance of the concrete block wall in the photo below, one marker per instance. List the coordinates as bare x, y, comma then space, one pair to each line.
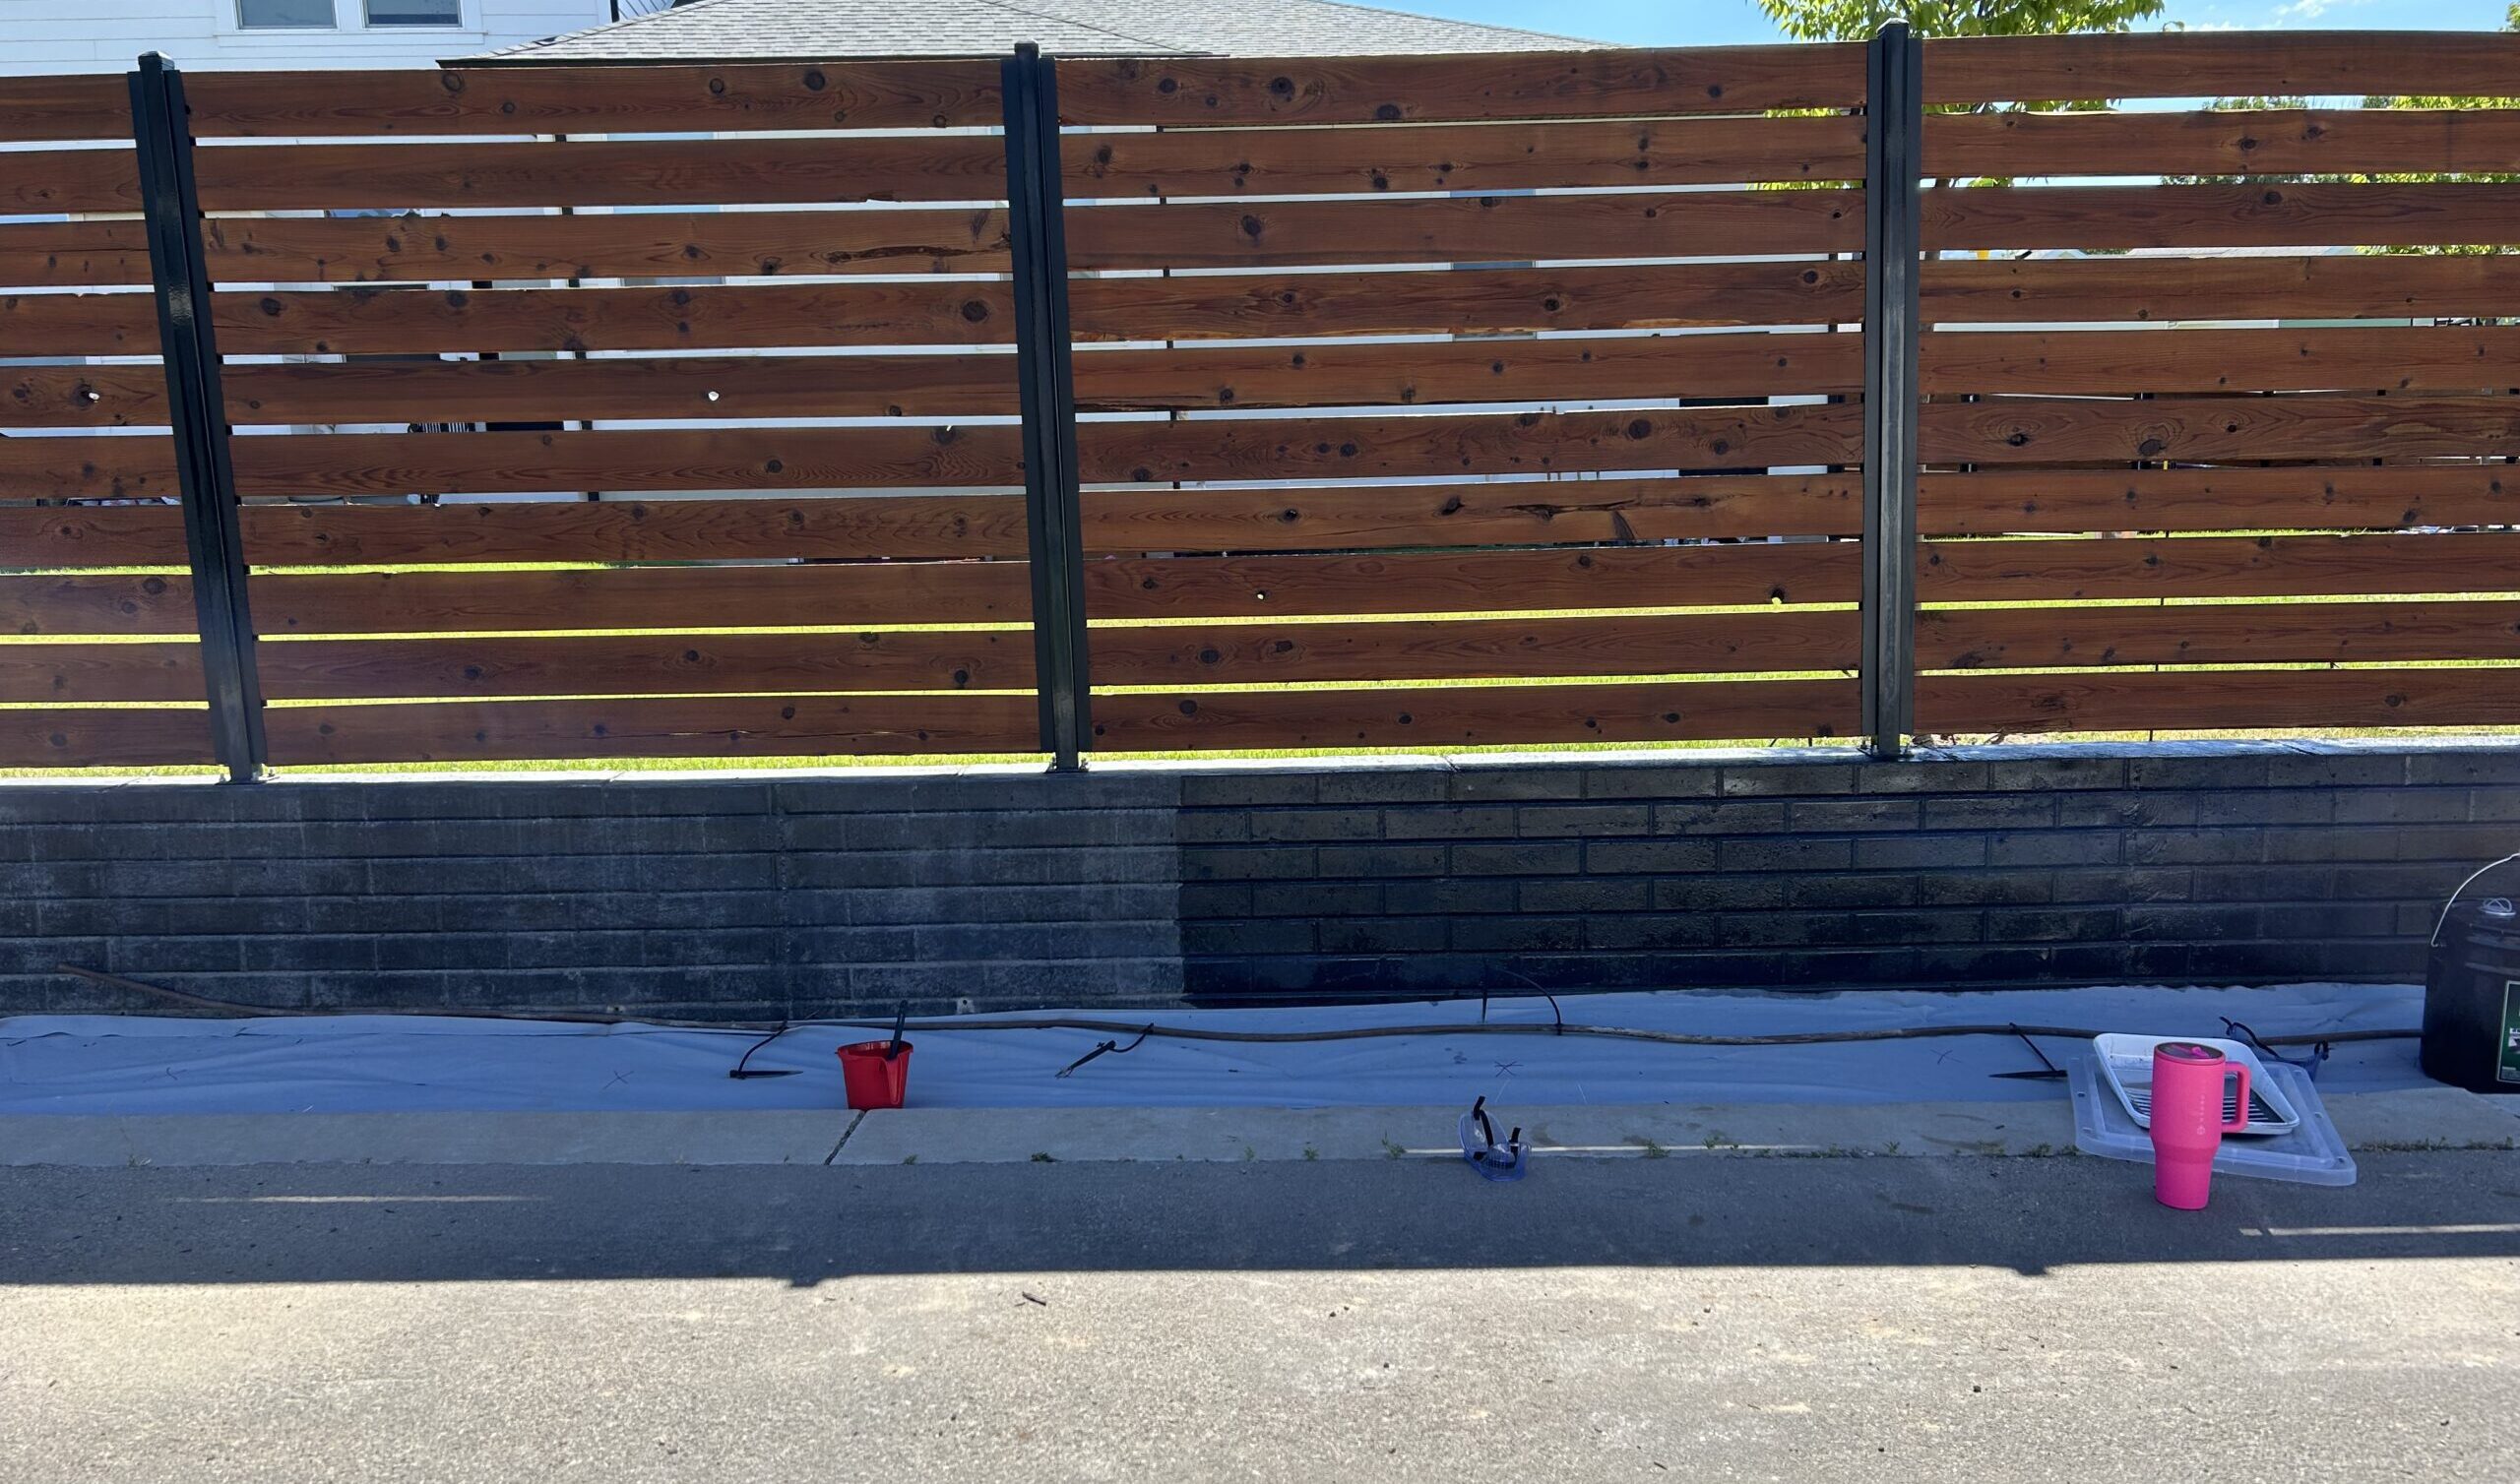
767, 896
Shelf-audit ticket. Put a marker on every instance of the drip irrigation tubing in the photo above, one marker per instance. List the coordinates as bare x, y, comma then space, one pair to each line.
1207, 1033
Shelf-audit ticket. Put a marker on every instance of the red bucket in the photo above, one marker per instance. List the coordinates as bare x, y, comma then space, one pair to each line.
874, 1079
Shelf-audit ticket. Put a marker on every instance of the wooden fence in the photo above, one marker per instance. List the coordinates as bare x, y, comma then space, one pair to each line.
1416, 401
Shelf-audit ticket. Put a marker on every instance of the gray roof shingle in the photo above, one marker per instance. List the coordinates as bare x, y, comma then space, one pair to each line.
728, 31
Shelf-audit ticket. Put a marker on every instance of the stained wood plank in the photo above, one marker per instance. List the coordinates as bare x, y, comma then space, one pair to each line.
1527, 443
633, 245
116, 605
1462, 156
1223, 377
636, 531
73, 396
2225, 142
49, 536
94, 254
77, 324
83, 106
1477, 716
2217, 634
2217, 64
1514, 513
1995, 502
2373, 358
1191, 92
713, 726
681, 387
1487, 301
2041, 430
2256, 702
1192, 656
489, 175
134, 467
37, 181
2216, 566
2220, 288
81, 674
1472, 229
663, 100
1471, 582
673, 599
103, 737
636, 461
409, 320
2270, 214
356, 669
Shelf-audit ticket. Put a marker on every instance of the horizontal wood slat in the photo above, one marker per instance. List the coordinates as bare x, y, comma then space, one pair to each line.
2217, 567
631, 246
354, 669
103, 536
680, 387
663, 100
83, 106
678, 600
107, 604
37, 181
2260, 701
713, 726
100, 253
483, 174
422, 321
1477, 716
1472, 583
1462, 156
1487, 301
2212, 64
630, 530
102, 737
1225, 377
644, 318
2228, 141
73, 396
1481, 229
81, 674
116, 467
1949, 639
458, 463
2208, 428
2244, 498
2373, 358
2194, 217
2220, 288
1526, 443
1204, 90
78, 324
1475, 649
1514, 513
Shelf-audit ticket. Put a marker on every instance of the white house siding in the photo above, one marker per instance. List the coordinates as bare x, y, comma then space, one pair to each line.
105, 35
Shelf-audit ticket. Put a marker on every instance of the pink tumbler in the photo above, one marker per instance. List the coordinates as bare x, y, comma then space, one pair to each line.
2187, 1120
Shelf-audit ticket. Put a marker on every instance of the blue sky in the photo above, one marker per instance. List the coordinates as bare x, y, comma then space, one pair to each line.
1711, 22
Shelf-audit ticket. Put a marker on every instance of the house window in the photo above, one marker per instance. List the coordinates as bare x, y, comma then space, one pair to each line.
414, 12
284, 14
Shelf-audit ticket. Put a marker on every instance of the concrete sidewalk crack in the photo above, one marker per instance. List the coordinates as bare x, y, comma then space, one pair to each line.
843, 1136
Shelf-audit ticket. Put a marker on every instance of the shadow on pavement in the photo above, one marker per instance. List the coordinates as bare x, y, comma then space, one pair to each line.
337, 1223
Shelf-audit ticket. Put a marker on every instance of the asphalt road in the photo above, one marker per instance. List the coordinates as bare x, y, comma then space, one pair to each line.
1707, 1318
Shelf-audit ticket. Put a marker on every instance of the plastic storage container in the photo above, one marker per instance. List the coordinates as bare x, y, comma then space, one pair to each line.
2471, 999
2312, 1153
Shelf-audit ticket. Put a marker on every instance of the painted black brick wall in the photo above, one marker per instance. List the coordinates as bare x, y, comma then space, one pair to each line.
758, 897
1978, 868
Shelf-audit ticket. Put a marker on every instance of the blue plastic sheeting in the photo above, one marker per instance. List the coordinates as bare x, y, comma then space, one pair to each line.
350, 1064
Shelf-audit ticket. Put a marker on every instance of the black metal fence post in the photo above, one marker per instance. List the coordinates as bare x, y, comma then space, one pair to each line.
198, 409
1053, 505
1893, 124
